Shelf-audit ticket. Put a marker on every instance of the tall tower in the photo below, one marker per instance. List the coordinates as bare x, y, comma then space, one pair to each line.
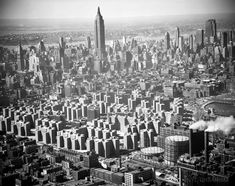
181, 43
20, 60
99, 35
210, 29
177, 35
61, 51
88, 42
41, 46
191, 42
224, 39
167, 41
199, 38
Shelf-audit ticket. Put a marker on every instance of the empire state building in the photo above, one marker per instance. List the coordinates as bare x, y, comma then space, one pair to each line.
99, 35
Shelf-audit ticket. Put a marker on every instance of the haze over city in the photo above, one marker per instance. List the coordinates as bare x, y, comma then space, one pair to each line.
28, 9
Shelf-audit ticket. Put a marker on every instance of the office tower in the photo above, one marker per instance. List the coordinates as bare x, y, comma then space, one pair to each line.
225, 53
181, 43
231, 35
41, 46
88, 42
191, 42
61, 51
124, 40
99, 35
177, 35
210, 30
199, 38
20, 60
224, 39
167, 41
231, 50
133, 43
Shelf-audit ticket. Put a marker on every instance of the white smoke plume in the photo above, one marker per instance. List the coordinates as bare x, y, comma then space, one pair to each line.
225, 124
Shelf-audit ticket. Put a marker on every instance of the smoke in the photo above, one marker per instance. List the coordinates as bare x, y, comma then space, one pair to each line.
225, 124
200, 125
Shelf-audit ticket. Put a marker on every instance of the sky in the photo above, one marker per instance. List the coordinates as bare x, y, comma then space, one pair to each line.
57, 9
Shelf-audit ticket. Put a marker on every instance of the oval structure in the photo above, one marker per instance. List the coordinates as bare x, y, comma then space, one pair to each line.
155, 151
221, 108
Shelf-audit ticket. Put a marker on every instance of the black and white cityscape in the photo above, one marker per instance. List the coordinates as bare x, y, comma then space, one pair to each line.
117, 92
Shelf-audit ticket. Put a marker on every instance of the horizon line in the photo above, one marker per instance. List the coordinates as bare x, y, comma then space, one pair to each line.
121, 17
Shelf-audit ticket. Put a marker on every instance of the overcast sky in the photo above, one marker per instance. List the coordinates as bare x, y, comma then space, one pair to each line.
110, 8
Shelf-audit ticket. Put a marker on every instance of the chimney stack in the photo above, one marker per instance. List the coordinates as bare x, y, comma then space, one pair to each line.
120, 162
190, 142
206, 142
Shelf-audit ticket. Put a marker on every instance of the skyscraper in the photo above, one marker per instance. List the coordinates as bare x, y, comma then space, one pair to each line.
20, 60
124, 40
177, 35
199, 38
61, 51
191, 42
181, 43
224, 39
231, 50
210, 29
167, 41
41, 46
231, 35
88, 42
99, 35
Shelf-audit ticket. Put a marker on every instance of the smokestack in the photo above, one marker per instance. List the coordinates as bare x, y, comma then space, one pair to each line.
190, 142
206, 142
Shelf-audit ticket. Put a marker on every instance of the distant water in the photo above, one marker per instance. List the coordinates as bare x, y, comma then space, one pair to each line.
26, 26
26, 30
23, 26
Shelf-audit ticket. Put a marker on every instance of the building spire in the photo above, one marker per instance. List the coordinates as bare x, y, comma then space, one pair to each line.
98, 12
